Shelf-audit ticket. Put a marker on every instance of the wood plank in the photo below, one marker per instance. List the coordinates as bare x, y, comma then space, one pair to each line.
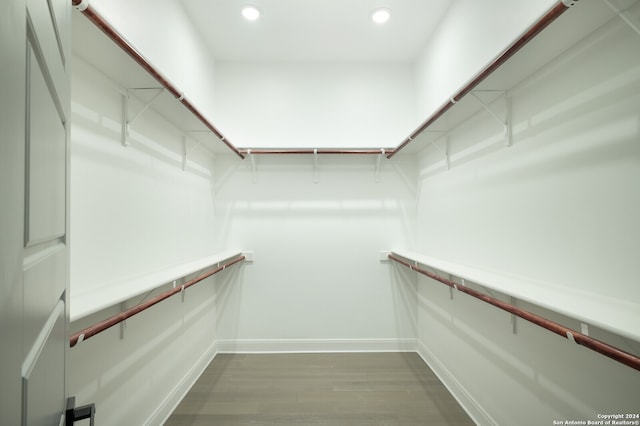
390, 389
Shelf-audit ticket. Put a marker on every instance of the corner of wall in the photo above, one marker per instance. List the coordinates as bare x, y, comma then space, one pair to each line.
175, 396
457, 390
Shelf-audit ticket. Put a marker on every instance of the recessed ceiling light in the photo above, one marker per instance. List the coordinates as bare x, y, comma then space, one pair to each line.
251, 13
381, 15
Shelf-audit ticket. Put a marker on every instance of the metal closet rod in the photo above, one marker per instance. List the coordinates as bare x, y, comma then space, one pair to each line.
568, 333
372, 151
558, 9
118, 318
118, 39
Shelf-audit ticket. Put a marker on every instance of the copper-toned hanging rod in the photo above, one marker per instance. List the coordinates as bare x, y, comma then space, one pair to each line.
316, 151
118, 318
119, 40
537, 27
568, 333
558, 9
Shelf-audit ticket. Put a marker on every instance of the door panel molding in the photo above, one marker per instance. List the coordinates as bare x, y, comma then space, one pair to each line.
46, 156
43, 370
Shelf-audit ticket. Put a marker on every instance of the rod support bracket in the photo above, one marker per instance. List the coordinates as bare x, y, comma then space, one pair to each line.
83, 5
249, 256
569, 3
378, 161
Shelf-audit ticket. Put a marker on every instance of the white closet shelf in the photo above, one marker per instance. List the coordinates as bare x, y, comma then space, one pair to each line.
616, 315
92, 46
87, 302
539, 52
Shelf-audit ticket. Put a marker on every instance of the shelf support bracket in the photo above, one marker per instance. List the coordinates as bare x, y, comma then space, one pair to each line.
378, 160
434, 142
123, 324
315, 165
444, 151
184, 153
252, 157
186, 149
514, 318
447, 153
506, 123
624, 17
508, 127
126, 121
584, 328
450, 288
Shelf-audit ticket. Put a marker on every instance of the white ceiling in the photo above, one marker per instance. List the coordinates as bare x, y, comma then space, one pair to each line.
316, 30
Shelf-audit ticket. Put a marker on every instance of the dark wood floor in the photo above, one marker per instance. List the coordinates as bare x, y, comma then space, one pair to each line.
350, 389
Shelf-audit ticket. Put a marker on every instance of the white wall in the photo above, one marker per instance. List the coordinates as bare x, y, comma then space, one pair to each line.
317, 282
315, 105
560, 206
471, 34
133, 208
135, 211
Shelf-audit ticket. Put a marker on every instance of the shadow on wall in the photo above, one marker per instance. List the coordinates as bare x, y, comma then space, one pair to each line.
98, 139
284, 188
141, 359
403, 289
559, 374
352, 170
546, 207
587, 101
137, 194
229, 289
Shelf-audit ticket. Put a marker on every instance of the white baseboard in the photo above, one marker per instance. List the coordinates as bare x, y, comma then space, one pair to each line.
464, 398
468, 403
316, 345
169, 404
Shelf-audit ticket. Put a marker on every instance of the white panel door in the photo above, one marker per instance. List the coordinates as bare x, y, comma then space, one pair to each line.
34, 222
12, 148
